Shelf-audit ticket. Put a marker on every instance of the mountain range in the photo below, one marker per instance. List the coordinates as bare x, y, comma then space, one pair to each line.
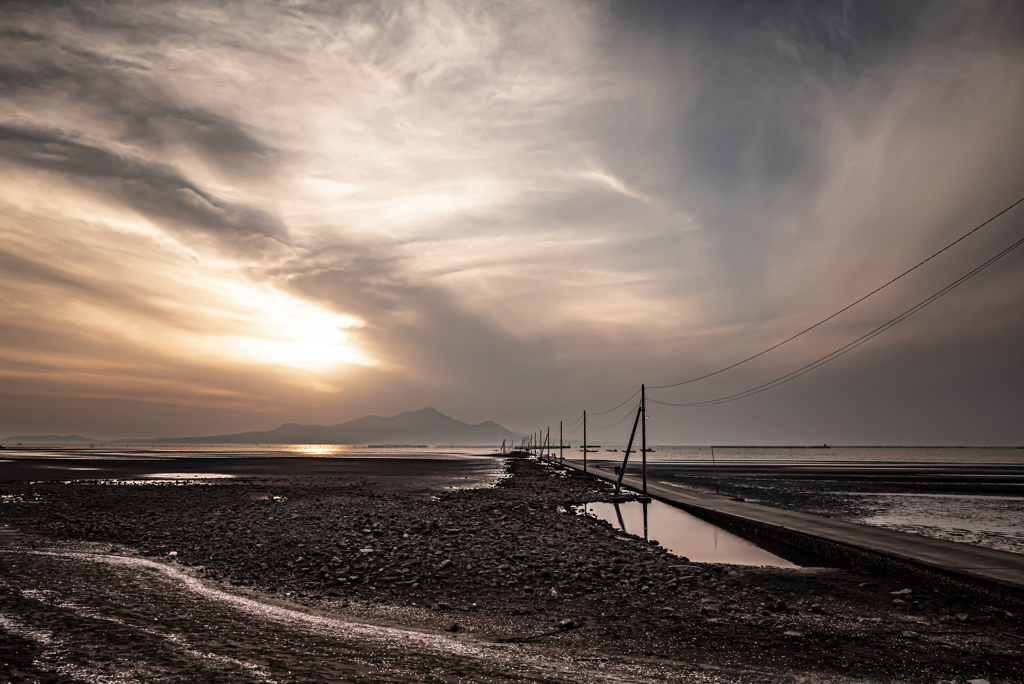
426, 426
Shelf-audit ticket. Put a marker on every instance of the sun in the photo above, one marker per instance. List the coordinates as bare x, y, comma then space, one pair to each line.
273, 327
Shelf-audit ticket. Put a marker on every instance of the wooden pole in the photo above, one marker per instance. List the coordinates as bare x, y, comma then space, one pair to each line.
643, 439
714, 469
584, 440
625, 460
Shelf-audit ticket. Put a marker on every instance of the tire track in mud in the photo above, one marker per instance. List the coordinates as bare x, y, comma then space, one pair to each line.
104, 618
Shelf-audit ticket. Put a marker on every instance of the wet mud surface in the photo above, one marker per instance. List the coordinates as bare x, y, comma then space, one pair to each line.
351, 578
980, 504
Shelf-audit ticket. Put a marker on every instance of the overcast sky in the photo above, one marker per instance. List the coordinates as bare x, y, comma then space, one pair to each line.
217, 217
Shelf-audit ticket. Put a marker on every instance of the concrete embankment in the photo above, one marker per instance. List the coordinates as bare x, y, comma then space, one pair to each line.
940, 564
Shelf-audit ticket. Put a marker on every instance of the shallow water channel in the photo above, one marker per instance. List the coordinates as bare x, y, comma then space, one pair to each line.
683, 534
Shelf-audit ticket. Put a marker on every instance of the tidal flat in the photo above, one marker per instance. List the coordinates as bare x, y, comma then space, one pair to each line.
373, 574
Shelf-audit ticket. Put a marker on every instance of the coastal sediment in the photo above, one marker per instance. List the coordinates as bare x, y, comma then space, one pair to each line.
511, 565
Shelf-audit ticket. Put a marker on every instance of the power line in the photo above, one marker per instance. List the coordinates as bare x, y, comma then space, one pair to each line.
852, 345
846, 308
624, 417
601, 413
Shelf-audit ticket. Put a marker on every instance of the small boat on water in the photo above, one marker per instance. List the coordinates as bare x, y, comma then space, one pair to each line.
611, 449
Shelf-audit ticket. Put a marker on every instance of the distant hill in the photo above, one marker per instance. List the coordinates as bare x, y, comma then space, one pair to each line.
426, 426
50, 439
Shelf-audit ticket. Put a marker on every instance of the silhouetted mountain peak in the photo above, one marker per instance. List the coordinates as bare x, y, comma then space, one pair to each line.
425, 426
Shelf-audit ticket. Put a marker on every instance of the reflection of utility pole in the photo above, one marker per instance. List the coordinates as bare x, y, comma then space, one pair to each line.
618, 512
644, 504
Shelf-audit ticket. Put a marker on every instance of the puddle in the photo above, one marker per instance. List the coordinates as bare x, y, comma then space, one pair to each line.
188, 476
150, 479
683, 534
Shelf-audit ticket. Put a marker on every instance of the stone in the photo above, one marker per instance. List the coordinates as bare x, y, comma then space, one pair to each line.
792, 633
902, 592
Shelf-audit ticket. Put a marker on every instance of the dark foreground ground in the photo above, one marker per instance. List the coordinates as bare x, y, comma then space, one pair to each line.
355, 578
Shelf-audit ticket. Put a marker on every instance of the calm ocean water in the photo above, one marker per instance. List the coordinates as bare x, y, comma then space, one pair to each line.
133, 451
837, 454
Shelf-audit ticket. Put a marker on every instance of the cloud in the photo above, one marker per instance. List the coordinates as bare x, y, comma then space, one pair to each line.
315, 210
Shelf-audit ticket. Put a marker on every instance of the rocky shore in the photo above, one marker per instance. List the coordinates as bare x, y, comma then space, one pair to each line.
513, 564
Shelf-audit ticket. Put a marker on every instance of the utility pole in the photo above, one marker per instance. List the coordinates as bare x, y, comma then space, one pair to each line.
548, 440
643, 434
561, 453
584, 440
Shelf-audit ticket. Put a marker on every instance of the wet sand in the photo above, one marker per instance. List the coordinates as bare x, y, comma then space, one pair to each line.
362, 576
398, 474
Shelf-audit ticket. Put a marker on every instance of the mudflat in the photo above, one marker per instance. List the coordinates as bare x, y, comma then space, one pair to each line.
366, 576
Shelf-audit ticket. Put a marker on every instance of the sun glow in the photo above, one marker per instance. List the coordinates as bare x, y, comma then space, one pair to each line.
286, 331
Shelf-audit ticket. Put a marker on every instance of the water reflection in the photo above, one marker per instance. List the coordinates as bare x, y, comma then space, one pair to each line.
683, 534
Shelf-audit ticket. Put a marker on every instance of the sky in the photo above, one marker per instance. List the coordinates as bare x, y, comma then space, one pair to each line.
219, 217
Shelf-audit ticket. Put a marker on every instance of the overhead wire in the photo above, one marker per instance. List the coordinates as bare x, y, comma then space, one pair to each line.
624, 417
851, 345
601, 413
844, 309
839, 352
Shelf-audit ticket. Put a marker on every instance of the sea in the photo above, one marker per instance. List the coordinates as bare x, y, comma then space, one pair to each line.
972, 495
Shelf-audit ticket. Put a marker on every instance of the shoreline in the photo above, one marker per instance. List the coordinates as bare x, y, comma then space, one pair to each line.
502, 565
